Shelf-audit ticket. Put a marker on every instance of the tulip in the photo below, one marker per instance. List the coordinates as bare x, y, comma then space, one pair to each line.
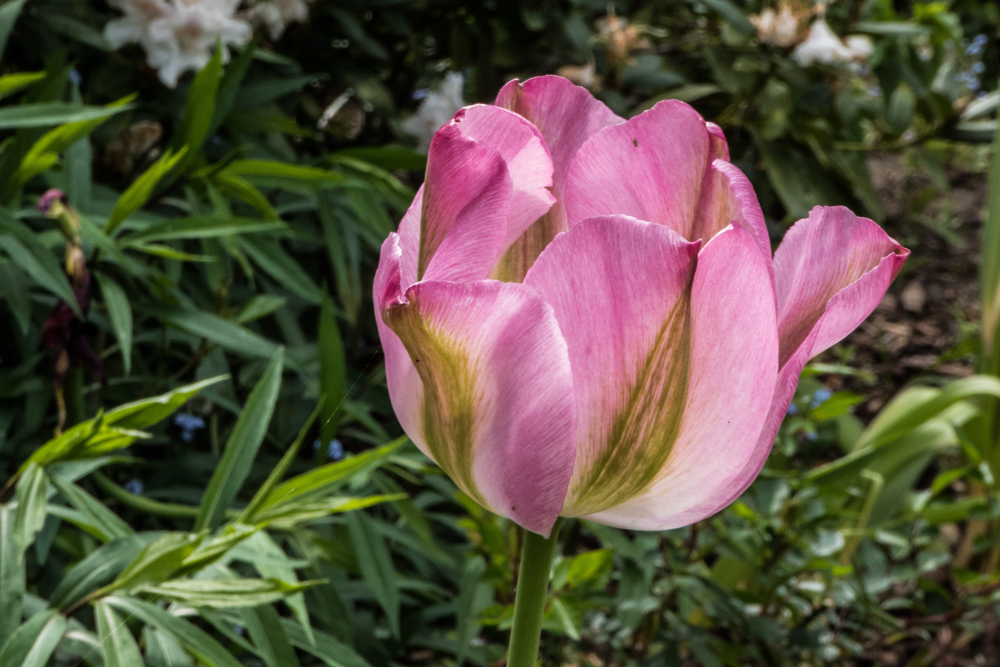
581, 315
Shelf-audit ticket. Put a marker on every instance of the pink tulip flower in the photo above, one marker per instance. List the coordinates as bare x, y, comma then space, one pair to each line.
581, 315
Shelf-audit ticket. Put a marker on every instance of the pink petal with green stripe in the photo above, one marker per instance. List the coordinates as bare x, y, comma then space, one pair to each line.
566, 115
456, 226
667, 362
658, 166
695, 442
484, 389
832, 270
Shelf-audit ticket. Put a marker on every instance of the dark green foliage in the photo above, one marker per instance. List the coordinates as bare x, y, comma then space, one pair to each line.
229, 485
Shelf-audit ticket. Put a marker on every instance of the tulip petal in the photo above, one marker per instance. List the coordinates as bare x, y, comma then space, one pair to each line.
746, 208
520, 145
405, 387
566, 115
831, 252
819, 257
732, 352
658, 166
620, 290
492, 402
456, 225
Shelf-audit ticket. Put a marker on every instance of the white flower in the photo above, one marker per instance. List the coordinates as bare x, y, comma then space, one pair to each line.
275, 15
861, 47
133, 26
780, 28
178, 35
822, 46
435, 110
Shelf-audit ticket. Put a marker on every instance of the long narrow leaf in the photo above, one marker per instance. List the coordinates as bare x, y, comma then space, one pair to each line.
241, 449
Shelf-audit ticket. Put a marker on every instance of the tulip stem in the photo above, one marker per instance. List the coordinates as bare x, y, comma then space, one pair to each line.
529, 601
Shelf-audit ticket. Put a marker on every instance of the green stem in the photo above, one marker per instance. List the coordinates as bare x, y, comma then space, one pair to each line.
529, 601
147, 505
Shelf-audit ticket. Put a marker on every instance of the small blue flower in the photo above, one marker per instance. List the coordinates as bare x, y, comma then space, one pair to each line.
811, 436
420, 94
336, 451
239, 629
188, 424
793, 409
978, 67
819, 397
316, 444
74, 77
134, 486
874, 91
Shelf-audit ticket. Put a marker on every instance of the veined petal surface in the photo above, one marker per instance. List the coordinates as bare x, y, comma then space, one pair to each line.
520, 145
658, 166
667, 362
831, 270
457, 223
566, 115
829, 251
731, 352
494, 404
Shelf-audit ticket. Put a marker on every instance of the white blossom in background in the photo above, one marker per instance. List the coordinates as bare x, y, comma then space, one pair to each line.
780, 28
178, 35
822, 46
276, 15
436, 109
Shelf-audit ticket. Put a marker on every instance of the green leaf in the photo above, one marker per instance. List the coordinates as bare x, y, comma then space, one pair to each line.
220, 331
279, 470
281, 266
989, 267
32, 503
287, 516
34, 642
332, 372
162, 650
16, 291
195, 640
241, 449
376, 567
272, 563
902, 104
224, 593
117, 644
469, 586
104, 520
9, 12
11, 573
327, 478
200, 228
98, 568
157, 561
892, 28
215, 548
120, 314
229, 87
45, 152
732, 15
11, 83
142, 188
261, 305
201, 105
326, 647
28, 252
283, 170
268, 634
389, 159
47, 114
